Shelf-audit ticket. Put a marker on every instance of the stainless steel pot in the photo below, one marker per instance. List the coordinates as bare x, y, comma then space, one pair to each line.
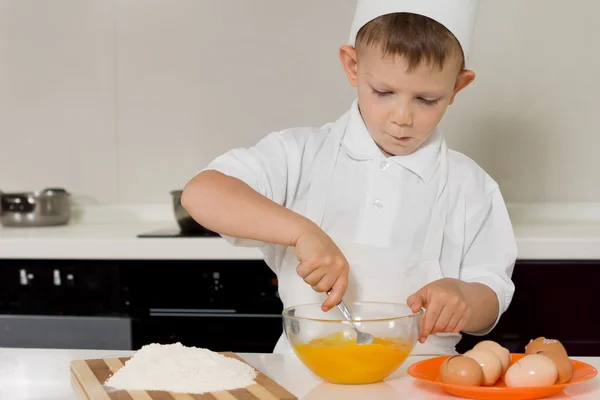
49, 207
186, 223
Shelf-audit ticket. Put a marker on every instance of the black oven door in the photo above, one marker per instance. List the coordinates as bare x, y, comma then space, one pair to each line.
63, 304
213, 329
221, 305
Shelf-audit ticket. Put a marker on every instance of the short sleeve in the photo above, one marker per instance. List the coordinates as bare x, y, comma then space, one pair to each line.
266, 167
263, 166
491, 252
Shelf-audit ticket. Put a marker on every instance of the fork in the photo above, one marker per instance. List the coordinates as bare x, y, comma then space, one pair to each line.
361, 337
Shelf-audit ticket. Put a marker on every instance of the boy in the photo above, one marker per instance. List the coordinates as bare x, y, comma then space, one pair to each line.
373, 206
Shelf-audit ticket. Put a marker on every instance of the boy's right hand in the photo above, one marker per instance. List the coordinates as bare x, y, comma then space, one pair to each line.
322, 265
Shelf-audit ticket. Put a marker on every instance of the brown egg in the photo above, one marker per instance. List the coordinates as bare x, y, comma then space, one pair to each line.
543, 344
500, 351
490, 364
533, 370
564, 365
461, 370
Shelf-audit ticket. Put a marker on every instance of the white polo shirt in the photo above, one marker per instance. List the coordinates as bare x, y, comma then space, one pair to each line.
381, 205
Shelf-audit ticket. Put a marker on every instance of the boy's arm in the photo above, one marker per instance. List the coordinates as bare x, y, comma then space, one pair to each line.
474, 303
484, 306
243, 193
238, 187
227, 205
488, 264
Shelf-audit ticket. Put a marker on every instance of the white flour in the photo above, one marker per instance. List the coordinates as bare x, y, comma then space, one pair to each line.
180, 369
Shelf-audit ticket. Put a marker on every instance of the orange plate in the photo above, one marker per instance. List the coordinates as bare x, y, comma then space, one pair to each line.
428, 371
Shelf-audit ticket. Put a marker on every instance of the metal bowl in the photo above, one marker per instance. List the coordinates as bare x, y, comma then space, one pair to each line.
186, 223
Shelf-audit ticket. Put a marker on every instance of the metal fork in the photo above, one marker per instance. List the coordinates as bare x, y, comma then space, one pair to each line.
361, 337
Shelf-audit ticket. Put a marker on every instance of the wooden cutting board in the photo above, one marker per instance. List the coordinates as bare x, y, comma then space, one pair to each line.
88, 377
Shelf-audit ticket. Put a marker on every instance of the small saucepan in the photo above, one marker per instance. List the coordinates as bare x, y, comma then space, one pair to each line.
48, 207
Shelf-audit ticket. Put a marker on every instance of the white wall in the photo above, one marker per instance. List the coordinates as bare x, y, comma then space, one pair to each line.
121, 101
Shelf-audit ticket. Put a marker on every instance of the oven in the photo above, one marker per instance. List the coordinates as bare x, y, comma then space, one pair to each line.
223, 305
63, 304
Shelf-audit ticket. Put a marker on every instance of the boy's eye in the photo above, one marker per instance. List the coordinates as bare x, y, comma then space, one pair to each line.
381, 94
428, 102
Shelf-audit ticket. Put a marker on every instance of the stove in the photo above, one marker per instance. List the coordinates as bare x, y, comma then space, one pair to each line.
177, 233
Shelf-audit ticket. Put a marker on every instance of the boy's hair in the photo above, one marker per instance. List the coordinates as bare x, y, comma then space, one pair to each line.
416, 37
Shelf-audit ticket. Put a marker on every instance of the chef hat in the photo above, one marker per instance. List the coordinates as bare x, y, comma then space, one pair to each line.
458, 16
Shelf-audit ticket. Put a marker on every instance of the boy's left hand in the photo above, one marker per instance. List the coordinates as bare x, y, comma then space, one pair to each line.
446, 307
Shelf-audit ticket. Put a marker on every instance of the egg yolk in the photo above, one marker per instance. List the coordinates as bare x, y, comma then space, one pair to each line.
339, 359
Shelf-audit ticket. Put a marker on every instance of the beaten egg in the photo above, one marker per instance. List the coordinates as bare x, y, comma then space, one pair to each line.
339, 359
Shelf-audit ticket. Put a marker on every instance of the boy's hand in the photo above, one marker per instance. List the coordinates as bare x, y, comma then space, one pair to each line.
446, 307
322, 266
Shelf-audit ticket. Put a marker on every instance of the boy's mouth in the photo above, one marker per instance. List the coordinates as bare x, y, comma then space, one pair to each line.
401, 139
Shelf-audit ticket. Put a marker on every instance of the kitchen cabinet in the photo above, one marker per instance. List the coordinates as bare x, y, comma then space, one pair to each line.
555, 299
234, 305
224, 305
63, 304
47, 287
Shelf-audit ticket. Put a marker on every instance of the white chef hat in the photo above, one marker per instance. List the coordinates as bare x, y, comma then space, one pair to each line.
458, 16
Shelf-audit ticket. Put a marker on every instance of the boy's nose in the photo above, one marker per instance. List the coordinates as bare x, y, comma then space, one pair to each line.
403, 116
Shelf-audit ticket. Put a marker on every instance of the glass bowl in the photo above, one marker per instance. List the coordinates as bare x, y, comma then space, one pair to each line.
326, 342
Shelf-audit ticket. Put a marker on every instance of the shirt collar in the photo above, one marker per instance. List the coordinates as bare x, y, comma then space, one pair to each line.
358, 144
357, 140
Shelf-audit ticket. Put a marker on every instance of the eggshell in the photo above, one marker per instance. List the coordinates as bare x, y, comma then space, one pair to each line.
533, 370
502, 352
490, 364
543, 344
563, 364
486, 344
461, 370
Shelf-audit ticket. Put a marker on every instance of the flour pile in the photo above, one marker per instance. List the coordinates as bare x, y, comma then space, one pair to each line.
180, 369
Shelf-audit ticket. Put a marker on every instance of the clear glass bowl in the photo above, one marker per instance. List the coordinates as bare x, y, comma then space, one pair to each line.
326, 343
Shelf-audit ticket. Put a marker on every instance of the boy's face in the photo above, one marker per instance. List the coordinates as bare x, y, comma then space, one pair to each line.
401, 109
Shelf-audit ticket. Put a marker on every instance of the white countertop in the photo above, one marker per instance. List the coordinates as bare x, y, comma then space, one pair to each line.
115, 242
110, 233
544, 232
28, 374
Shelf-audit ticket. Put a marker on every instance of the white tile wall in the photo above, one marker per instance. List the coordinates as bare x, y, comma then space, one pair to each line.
121, 101
57, 92
198, 77
530, 118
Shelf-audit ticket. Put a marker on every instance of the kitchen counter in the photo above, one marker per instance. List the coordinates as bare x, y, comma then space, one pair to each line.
110, 233
27, 374
544, 232
115, 242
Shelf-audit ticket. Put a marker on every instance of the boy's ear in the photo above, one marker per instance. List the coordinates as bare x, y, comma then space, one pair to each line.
349, 63
465, 77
